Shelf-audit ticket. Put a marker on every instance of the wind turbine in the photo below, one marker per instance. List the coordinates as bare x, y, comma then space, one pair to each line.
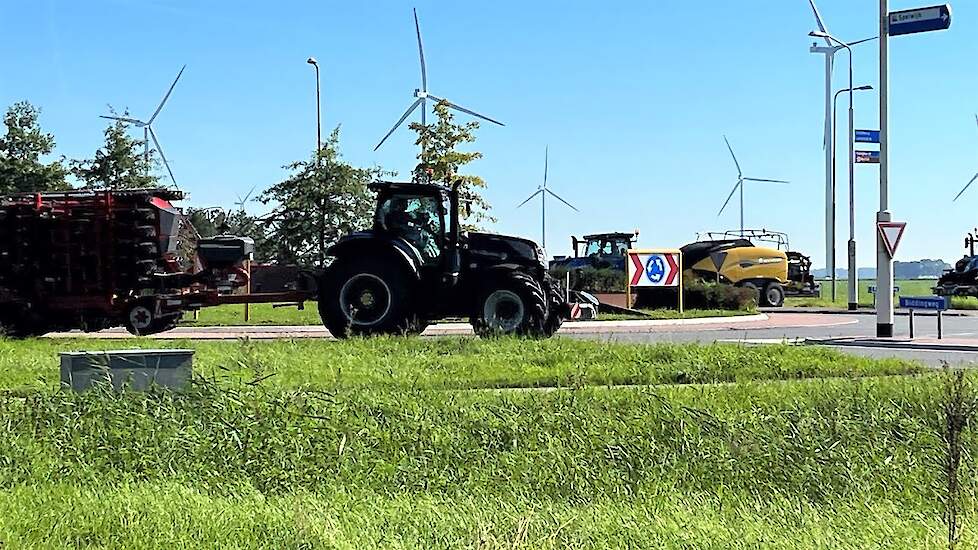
972, 179
147, 127
542, 191
740, 185
422, 94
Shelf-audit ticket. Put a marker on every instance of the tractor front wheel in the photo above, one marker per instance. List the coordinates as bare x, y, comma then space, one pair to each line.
514, 305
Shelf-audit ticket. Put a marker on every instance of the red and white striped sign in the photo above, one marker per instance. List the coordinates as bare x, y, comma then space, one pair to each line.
658, 268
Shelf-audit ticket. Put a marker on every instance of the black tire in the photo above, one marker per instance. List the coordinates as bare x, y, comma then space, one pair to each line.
367, 296
514, 304
773, 295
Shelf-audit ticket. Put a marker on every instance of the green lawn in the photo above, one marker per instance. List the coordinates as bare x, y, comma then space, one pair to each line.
908, 287
397, 442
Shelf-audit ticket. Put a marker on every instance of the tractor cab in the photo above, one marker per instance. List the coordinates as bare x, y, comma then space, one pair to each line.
600, 251
417, 213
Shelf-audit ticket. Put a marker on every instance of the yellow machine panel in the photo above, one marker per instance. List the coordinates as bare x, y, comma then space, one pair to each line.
746, 263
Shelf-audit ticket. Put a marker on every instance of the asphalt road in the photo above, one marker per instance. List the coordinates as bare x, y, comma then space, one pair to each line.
852, 333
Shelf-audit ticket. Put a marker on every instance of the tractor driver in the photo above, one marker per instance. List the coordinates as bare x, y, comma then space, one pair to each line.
416, 223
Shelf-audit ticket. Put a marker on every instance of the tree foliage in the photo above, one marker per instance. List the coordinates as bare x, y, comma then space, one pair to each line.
318, 203
21, 149
440, 161
119, 164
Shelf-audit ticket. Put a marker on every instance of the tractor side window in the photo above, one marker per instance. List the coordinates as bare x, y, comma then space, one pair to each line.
606, 248
593, 248
418, 220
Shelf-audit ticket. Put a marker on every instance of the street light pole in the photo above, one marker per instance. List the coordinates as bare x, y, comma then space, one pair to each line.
319, 118
319, 161
853, 278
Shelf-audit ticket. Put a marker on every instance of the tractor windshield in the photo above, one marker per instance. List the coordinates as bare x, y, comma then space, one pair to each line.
418, 220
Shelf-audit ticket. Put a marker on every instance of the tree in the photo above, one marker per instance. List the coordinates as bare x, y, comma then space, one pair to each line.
323, 199
119, 164
21, 149
439, 161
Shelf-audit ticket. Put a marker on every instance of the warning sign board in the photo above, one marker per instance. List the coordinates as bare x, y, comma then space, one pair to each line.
654, 268
891, 232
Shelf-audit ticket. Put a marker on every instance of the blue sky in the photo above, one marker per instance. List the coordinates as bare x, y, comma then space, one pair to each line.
632, 100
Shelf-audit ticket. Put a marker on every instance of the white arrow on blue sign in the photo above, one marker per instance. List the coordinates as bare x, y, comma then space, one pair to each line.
933, 18
867, 136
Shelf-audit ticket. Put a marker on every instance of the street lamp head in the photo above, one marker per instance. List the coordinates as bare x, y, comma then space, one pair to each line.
818, 34
312, 61
866, 87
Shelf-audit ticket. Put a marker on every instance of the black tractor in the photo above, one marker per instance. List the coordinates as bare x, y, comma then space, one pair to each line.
416, 265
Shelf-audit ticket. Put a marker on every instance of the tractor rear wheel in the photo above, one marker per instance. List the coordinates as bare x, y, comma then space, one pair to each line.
365, 297
514, 304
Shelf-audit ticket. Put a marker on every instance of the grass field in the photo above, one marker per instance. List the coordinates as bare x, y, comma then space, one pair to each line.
265, 314
398, 443
911, 287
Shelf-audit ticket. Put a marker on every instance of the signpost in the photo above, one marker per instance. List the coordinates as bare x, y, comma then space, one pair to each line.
867, 136
867, 157
938, 303
933, 18
657, 268
894, 24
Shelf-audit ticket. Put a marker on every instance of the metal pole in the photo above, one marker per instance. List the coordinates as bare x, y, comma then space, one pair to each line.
853, 269
940, 324
911, 324
741, 207
834, 105
884, 264
829, 173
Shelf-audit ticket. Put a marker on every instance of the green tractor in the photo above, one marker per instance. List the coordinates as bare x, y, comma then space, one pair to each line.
415, 265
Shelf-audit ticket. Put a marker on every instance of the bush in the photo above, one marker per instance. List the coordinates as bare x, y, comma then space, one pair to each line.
699, 295
590, 279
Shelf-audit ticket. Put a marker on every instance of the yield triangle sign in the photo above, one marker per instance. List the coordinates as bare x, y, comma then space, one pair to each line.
891, 232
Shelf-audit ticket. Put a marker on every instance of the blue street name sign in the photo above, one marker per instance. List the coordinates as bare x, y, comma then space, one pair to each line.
932, 18
939, 303
867, 136
867, 157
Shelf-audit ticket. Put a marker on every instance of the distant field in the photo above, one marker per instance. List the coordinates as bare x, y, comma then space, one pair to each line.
908, 287
420, 443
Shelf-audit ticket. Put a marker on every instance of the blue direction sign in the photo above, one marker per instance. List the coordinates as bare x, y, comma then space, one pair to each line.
867, 157
933, 18
867, 136
939, 303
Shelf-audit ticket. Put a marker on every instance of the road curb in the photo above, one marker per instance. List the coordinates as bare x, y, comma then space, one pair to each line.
899, 312
889, 344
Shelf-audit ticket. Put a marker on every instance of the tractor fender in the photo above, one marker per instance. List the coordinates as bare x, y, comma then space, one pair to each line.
368, 243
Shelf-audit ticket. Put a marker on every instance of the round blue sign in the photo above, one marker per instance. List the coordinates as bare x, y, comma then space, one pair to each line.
655, 268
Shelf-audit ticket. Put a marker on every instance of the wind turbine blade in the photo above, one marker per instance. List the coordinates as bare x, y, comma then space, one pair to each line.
122, 118
818, 19
546, 164
167, 96
424, 70
528, 199
730, 196
965, 187
156, 142
769, 181
976, 119
729, 148
464, 110
242, 202
556, 196
400, 120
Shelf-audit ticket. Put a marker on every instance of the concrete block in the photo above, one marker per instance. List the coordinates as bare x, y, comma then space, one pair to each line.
130, 369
